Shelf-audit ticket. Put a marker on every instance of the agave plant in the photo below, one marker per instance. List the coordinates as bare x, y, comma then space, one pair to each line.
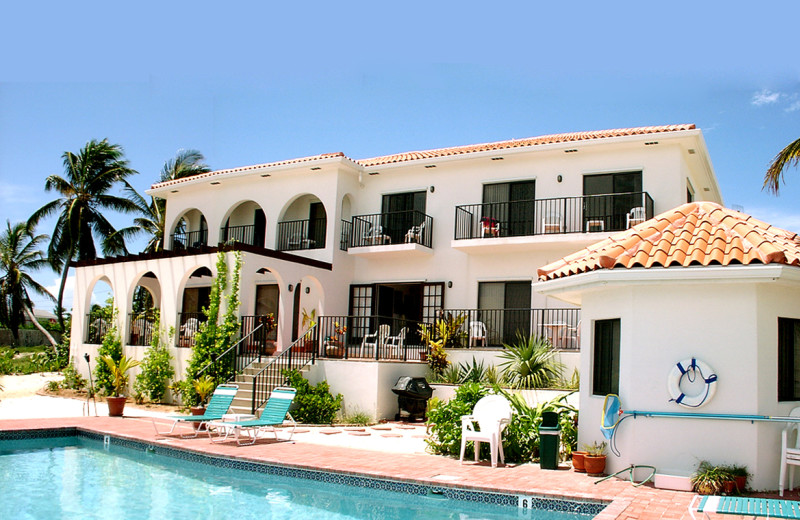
530, 362
474, 373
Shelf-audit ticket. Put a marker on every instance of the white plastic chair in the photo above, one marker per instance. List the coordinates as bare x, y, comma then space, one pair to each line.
790, 452
477, 332
551, 223
635, 216
375, 339
415, 233
396, 343
189, 328
492, 413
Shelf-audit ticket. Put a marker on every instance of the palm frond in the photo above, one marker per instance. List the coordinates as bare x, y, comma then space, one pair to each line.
786, 158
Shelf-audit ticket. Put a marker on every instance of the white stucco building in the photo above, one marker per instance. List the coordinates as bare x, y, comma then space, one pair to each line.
382, 244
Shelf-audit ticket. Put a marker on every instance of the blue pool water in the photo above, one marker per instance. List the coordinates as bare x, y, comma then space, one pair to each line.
77, 477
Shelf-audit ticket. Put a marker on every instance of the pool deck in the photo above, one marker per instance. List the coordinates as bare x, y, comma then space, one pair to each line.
626, 501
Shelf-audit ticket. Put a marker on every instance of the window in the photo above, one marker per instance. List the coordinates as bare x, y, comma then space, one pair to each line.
505, 309
401, 211
606, 357
788, 359
512, 205
609, 197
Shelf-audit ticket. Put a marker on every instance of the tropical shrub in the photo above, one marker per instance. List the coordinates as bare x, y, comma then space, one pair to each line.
444, 420
6, 362
157, 371
312, 404
445, 333
119, 372
73, 380
112, 348
531, 363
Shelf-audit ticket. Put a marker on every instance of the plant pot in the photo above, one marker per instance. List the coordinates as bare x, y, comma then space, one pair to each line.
741, 483
729, 486
423, 356
578, 461
334, 349
198, 410
595, 466
116, 405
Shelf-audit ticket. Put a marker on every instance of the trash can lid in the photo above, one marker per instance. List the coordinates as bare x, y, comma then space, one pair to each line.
550, 419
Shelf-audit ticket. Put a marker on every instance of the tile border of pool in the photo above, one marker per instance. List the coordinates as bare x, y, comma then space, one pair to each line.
527, 501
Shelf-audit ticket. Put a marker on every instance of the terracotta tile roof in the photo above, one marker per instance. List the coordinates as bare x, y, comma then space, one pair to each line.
518, 143
698, 233
252, 167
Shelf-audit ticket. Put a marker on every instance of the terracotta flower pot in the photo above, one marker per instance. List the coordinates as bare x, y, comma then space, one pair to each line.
578, 462
729, 486
116, 405
198, 410
595, 466
741, 483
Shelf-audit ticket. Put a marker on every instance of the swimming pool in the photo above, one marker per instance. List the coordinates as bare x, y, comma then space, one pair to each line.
72, 474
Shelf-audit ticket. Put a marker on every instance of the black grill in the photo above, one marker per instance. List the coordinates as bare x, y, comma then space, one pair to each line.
412, 397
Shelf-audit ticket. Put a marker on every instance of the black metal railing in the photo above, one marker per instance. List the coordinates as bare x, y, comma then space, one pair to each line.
301, 234
184, 240
590, 213
369, 337
98, 326
237, 357
142, 328
188, 325
261, 332
241, 234
296, 356
396, 227
496, 327
344, 240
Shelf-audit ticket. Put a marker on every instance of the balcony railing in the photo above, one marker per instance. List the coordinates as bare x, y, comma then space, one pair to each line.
590, 213
301, 234
188, 325
185, 240
99, 325
344, 240
398, 227
142, 328
496, 327
241, 234
367, 337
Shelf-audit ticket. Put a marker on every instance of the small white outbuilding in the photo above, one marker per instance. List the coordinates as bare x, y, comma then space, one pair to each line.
699, 281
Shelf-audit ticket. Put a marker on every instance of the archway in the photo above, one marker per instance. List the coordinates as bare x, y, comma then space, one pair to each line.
190, 230
195, 297
245, 223
145, 302
303, 224
100, 318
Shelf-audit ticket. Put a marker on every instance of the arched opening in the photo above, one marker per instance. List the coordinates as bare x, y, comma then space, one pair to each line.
347, 224
261, 328
303, 225
145, 301
194, 298
246, 224
191, 230
100, 319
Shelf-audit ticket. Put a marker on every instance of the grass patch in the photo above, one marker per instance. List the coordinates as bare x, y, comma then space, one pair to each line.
26, 360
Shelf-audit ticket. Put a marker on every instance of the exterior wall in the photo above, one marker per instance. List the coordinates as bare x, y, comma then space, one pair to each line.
730, 326
491, 356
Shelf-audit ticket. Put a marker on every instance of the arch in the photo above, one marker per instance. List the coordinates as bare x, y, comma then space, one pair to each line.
303, 223
244, 222
144, 297
194, 290
100, 314
269, 296
188, 229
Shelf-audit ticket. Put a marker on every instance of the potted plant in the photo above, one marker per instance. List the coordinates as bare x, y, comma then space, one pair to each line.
595, 458
740, 475
578, 462
119, 373
711, 480
334, 344
204, 387
309, 321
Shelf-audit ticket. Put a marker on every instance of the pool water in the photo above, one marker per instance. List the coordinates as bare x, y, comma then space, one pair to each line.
76, 477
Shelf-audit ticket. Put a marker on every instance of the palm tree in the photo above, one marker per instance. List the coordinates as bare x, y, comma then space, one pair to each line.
19, 254
84, 193
789, 156
186, 163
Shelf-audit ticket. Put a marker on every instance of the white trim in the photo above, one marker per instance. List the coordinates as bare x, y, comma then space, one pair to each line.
502, 181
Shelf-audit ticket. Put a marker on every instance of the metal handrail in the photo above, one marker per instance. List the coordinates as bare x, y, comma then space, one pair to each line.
215, 360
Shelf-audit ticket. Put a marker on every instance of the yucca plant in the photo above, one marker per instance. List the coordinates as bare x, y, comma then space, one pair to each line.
530, 362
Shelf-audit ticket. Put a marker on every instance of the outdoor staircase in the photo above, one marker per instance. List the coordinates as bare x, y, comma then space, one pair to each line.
243, 401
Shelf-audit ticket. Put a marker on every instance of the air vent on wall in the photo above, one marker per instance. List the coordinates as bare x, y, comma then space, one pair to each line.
571, 150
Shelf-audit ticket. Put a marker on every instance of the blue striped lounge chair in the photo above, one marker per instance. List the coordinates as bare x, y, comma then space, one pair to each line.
745, 506
275, 412
218, 406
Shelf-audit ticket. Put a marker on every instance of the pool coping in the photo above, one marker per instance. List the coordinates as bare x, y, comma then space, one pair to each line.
468, 493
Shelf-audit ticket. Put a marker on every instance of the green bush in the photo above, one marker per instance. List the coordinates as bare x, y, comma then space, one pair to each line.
73, 379
530, 363
157, 371
313, 404
6, 362
444, 419
112, 347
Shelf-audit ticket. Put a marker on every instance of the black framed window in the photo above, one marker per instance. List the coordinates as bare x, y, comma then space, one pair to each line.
608, 197
605, 371
788, 359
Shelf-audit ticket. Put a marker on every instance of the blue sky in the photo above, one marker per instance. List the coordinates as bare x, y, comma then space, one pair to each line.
250, 83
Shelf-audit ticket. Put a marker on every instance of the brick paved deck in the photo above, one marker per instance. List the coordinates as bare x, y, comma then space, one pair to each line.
626, 501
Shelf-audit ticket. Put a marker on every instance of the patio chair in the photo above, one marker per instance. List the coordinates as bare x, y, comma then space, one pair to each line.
635, 216
477, 332
415, 233
217, 407
551, 223
492, 413
298, 241
375, 340
395, 344
745, 506
274, 414
790, 451
374, 236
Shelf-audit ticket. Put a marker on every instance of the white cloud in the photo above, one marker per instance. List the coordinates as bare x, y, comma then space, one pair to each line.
765, 97
776, 217
794, 106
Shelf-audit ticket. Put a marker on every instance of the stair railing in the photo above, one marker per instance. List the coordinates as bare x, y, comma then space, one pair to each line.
299, 354
235, 358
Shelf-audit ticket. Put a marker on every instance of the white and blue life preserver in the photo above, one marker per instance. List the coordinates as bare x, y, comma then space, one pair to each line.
691, 369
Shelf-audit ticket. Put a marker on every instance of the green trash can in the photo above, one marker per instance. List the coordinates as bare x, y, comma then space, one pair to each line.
549, 434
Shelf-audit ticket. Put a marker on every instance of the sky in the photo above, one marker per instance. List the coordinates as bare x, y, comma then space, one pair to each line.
248, 83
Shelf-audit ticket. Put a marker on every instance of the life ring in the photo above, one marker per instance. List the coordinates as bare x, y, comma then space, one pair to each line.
691, 368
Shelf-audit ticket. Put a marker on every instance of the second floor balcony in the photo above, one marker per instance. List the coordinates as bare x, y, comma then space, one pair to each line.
186, 239
557, 216
391, 232
294, 235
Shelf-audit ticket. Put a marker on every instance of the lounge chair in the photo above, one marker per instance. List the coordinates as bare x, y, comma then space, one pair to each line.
217, 407
744, 506
275, 412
